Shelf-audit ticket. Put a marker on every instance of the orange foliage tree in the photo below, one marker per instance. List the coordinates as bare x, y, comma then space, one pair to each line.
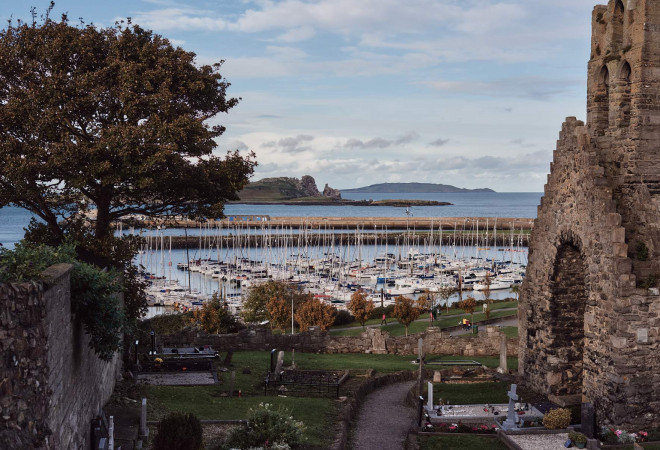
279, 313
314, 312
405, 311
468, 305
360, 306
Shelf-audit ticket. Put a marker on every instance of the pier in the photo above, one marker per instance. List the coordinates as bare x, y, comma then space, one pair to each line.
346, 223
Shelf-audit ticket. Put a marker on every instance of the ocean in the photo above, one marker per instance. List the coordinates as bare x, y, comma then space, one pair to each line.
470, 204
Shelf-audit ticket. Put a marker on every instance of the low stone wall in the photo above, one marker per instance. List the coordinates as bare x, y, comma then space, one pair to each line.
57, 384
373, 340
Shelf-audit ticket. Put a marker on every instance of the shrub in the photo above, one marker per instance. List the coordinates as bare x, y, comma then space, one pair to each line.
179, 432
343, 317
577, 438
267, 427
377, 312
557, 419
642, 251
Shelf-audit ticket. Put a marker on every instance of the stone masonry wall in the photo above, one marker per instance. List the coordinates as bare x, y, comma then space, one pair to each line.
51, 380
373, 340
602, 200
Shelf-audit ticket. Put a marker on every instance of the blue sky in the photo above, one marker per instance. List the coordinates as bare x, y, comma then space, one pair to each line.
355, 92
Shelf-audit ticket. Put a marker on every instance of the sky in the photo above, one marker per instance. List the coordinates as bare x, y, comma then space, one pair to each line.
470, 93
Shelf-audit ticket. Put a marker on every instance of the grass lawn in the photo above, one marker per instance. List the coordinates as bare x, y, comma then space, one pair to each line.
511, 332
460, 443
205, 403
452, 312
396, 329
471, 394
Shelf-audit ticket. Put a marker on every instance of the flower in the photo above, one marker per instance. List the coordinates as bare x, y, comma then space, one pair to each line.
618, 432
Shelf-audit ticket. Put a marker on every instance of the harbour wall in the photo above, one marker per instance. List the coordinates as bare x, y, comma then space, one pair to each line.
53, 384
372, 340
347, 223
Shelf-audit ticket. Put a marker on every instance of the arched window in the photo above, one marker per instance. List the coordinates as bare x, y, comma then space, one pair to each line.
623, 86
600, 116
617, 24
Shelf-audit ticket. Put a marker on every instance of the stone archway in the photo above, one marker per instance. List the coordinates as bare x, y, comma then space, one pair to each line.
566, 322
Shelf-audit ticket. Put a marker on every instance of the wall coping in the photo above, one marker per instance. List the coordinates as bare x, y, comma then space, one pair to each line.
55, 273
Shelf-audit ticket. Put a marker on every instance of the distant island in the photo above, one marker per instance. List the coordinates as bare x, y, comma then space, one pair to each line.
413, 188
303, 191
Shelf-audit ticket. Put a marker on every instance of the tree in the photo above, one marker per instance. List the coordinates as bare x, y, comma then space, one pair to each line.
255, 309
405, 311
214, 317
314, 312
515, 289
361, 306
468, 305
486, 293
113, 121
425, 302
445, 292
279, 313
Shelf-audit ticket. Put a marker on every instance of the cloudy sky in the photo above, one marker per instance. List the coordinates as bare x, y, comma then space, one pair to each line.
355, 92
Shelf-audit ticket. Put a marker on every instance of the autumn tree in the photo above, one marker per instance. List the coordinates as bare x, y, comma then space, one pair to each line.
279, 313
254, 307
426, 301
468, 305
445, 292
405, 311
486, 293
214, 317
110, 121
315, 312
361, 306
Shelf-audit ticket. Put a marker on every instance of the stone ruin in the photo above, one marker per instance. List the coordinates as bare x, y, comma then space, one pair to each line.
589, 307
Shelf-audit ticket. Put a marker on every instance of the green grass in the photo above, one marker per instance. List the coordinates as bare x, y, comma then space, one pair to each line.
471, 394
396, 329
511, 332
204, 402
460, 443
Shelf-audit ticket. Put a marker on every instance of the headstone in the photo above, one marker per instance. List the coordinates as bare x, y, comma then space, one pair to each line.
510, 422
232, 379
420, 348
429, 399
273, 360
144, 429
111, 433
588, 421
280, 362
437, 376
503, 365
228, 358
420, 410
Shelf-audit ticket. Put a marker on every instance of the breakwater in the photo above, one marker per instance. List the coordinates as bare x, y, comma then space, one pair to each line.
327, 239
346, 223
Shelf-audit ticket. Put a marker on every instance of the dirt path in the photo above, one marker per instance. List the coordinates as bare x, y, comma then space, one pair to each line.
384, 421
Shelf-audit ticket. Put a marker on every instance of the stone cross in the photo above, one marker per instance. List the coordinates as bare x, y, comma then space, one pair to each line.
510, 422
144, 429
429, 403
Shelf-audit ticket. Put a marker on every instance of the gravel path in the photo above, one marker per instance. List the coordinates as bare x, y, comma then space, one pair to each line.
384, 421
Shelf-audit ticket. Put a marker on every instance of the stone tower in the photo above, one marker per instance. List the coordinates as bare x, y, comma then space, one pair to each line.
589, 306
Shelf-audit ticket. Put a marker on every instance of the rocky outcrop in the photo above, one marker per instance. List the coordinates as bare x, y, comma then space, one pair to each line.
332, 193
308, 187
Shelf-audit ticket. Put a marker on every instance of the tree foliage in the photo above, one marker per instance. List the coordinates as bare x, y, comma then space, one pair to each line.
214, 317
405, 311
279, 313
361, 306
314, 312
255, 308
445, 292
468, 305
111, 119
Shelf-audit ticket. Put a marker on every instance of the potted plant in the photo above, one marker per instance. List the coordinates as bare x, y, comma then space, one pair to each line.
579, 439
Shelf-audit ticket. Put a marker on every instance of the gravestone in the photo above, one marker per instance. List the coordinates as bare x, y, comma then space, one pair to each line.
111, 433
273, 360
510, 422
144, 429
588, 420
280, 362
429, 400
503, 350
232, 379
